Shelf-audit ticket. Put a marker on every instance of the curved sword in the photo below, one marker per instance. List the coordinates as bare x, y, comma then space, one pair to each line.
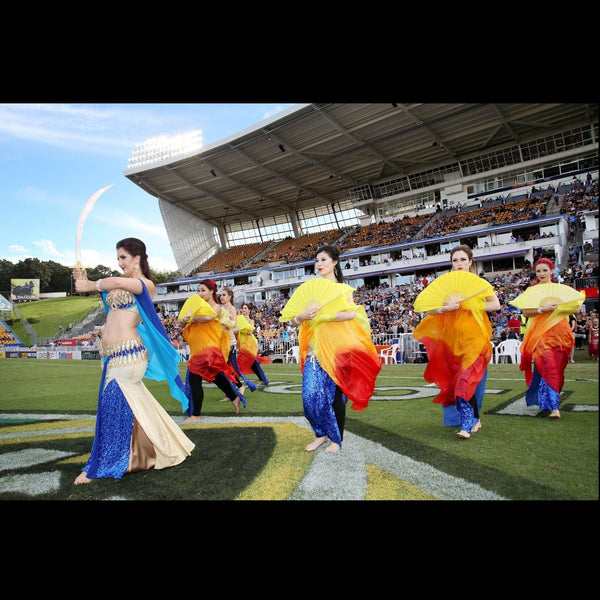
82, 217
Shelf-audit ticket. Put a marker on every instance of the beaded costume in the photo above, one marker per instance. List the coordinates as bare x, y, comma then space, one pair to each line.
133, 431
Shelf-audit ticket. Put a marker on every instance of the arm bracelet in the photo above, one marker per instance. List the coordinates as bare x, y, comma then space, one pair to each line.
540, 310
295, 322
98, 286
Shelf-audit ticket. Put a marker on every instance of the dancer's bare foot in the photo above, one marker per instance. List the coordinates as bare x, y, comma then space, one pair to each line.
226, 399
242, 390
476, 427
193, 419
333, 447
463, 435
236, 405
555, 414
316, 443
82, 478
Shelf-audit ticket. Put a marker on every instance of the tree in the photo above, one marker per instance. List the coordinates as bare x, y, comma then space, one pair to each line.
6, 270
60, 278
101, 271
164, 276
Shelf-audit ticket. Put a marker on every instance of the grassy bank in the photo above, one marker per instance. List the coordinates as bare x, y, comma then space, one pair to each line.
46, 316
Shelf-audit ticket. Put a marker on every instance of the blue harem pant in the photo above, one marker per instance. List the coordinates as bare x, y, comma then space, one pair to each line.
323, 402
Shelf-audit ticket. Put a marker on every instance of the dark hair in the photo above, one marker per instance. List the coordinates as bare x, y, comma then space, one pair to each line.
136, 247
211, 285
466, 249
334, 254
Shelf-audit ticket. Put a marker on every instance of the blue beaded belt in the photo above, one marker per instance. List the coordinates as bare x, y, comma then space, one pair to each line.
126, 353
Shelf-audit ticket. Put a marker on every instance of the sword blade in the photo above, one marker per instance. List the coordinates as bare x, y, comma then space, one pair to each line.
82, 217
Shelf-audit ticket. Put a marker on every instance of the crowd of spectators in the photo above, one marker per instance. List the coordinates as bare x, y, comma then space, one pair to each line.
292, 250
488, 216
577, 198
384, 234
232, 258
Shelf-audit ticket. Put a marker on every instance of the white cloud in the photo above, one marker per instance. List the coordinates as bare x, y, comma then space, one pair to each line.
63, 126
48, 248
92, 129
129, 222
269, 113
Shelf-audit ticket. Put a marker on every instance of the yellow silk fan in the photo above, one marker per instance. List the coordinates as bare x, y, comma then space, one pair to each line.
316, 292
195, 306
543, 294
454, 286
243, 324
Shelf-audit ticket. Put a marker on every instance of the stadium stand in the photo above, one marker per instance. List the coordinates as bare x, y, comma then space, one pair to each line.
8, 336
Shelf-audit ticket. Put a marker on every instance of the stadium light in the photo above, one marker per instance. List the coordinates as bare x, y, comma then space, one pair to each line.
164, 147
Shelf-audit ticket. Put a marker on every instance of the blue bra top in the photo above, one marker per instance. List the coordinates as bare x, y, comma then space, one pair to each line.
121, 300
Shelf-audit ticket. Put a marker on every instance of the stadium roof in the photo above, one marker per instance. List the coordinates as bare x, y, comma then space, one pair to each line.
312, 154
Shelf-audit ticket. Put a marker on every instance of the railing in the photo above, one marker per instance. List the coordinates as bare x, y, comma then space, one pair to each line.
581, 283
80, 325
409, 350
31, 332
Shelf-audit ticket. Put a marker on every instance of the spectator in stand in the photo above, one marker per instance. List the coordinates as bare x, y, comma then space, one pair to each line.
580, 331
514, 324
593, 338
572, 327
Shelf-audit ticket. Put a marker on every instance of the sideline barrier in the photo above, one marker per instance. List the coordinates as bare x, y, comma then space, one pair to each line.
57, 353
409, 350
20, 353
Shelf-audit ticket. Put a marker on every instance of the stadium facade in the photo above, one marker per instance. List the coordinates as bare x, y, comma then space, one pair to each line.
324, 167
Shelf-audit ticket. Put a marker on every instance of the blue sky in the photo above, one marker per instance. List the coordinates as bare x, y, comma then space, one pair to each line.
53, 157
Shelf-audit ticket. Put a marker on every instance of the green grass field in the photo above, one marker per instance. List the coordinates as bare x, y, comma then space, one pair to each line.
47, 411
